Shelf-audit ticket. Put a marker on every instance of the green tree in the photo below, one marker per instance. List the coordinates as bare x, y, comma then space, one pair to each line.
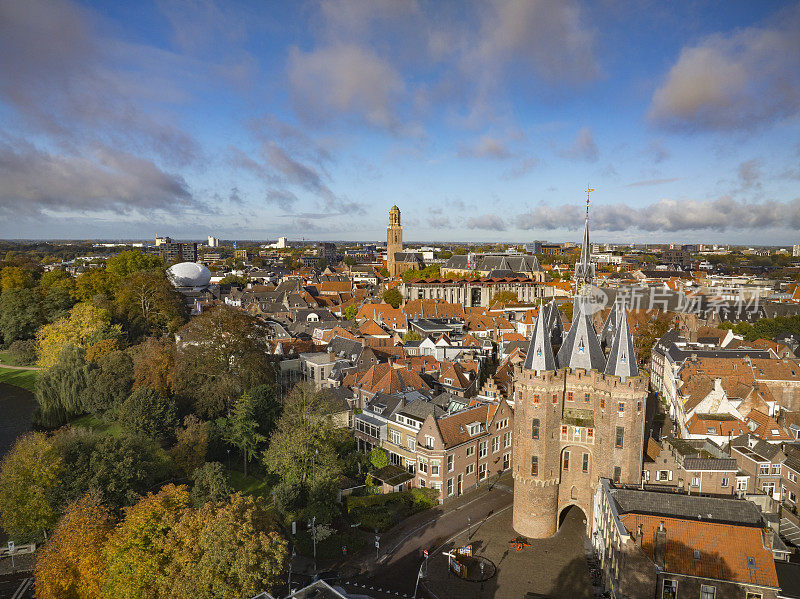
302, 448
56, 302
189, 452
61, 389
378, 458
137, 551
148, 414
20, 314
56, 278
223, 551
121, 468
393, 297
267, 407
239, 280
23, 353
384, 272
128, 262
240, 429
148, 304
222, 353
29, 473
350, 312
210, 483
13, 277
109, 381
93, 283
349, 261
412, 336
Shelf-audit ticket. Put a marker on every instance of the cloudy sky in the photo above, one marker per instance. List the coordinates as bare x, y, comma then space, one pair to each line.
482, 120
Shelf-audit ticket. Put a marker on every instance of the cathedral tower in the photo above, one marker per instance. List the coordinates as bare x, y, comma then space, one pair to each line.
394, 240
578, 414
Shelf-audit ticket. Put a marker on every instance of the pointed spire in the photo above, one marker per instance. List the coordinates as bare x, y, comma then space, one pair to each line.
584, 270
581, 348
540, 352
609, 327
621, 358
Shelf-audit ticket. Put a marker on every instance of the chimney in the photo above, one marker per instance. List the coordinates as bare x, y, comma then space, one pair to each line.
660, 550
639, 536
766, 534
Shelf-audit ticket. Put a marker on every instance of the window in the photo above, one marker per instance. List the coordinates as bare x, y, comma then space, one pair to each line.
707, 592
792, 497
590, 435
792, 477
751, 563
670, 589
569, 395
621, 408
564, 429
617, 473
507, 440
663, 475
495, 444
638, 407
437, 486
534, 465
620, 437
725, 481
555, 398
422, 483
776, 469
428, 442
502, 423
412, 443
469, 469
535, 428
754, 596
449, 463
536, 399
395, 437
481, 471
585, 465
449, 486
741, 485
470, 450
602, 403
482, 449
506, 461
566, 460
435, 467
695, 481
763, 469
474, 428
586, 398
423, 465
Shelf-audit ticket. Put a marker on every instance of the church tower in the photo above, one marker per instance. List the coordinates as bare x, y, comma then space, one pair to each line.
578, 413
394, 240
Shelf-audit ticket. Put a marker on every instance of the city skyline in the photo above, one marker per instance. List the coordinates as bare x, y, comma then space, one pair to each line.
483, 121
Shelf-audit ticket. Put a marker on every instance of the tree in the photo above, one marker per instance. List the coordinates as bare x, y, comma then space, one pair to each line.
384, 272
240, 429
71, 564
85, 325
13, 277
302, 447
129, 262
109, 382
267, 407
238, 280
349, 261
94, 282
350, 312
153, 365
148, 304
429, 272
322, 264
121, 468
222, 353
101, 348
23, 352
136, 551
649, 333
393, 297
378, 458
148, 414
412, 336
210, 483
56, 301
189, 452
61, 389
20, 314
29, 473
56, 278
503, 298
223, 551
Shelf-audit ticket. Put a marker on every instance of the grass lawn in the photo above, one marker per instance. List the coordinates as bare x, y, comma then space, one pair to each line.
249, 485
21, 378
97, 425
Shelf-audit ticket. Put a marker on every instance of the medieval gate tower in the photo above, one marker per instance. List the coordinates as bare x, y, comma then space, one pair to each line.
579, 412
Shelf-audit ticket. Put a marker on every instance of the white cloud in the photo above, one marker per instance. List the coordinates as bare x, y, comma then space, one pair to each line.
489, 222
583, 148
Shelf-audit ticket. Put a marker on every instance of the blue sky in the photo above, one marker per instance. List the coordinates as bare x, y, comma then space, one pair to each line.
482, 120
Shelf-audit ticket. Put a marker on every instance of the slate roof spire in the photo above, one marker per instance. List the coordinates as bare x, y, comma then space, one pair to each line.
540, 351
584, 269
621, 358
609, 327
581, 348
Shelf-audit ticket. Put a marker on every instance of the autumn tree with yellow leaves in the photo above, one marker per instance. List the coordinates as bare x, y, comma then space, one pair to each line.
85, 326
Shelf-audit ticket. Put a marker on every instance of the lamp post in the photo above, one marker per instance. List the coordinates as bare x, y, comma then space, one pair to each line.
377, 543
229, 459
469, 528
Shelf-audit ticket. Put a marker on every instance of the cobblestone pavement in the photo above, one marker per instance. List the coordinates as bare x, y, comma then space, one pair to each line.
554, 567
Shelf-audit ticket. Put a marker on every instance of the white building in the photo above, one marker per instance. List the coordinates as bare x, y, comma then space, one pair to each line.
213, 242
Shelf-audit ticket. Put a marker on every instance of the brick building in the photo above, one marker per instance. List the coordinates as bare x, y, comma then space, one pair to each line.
579, 414
690, 466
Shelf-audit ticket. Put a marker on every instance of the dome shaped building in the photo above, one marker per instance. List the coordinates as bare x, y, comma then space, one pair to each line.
189, 274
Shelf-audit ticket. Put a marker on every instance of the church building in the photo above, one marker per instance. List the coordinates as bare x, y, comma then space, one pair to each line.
398, 261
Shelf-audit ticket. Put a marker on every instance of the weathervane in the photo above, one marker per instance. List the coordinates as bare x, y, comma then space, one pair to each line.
588, 191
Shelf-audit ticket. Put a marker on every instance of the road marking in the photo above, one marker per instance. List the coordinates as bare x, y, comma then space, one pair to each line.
22, 588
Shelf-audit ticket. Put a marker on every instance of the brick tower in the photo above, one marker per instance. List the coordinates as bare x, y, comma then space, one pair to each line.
394, 240
579, 413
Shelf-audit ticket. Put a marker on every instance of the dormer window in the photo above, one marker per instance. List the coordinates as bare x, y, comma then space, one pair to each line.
539, 353
581, 347
474, 428
623, 358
